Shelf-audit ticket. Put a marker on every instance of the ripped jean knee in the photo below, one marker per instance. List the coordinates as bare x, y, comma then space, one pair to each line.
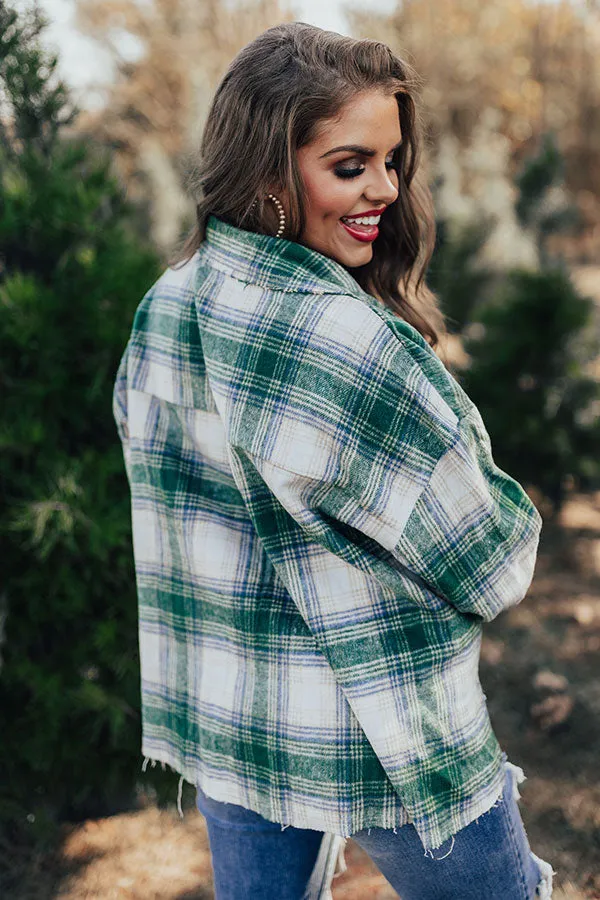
545, 870
493, 848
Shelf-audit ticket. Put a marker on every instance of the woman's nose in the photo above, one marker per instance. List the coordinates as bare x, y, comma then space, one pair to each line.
381, 190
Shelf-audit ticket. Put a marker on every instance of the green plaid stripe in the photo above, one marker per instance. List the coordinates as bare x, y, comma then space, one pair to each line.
320, 531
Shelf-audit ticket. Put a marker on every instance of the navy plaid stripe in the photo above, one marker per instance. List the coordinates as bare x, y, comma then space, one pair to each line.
320, 531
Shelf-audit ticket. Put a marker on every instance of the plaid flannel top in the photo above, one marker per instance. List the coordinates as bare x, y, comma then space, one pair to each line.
319, 532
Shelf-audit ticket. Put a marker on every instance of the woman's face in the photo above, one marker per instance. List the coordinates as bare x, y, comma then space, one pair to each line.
348, 172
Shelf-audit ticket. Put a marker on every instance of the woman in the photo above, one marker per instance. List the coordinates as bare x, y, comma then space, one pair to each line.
319, 528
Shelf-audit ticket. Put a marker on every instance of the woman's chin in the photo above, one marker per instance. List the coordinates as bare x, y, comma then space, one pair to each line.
351, 255
352, 258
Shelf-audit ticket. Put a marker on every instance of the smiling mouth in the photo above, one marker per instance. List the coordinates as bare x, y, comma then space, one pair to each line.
363, 223
361, 228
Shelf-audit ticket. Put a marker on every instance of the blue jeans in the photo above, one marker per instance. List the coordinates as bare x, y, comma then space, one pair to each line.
254, 859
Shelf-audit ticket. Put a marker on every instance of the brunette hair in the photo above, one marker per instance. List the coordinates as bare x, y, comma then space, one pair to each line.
271, 101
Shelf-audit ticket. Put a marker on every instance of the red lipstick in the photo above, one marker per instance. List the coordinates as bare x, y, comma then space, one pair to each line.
367, 233
364, 233
370, 212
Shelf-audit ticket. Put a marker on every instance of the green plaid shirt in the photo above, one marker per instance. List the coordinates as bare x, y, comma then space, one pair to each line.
319, 533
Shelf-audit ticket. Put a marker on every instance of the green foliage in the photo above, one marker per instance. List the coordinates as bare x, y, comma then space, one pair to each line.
531, 338
72, 272
541, 171
453, 274
541, 204
527, 377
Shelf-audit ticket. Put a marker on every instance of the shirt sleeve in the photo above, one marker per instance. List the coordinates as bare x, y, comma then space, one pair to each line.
379, 459
473, 534
119, 408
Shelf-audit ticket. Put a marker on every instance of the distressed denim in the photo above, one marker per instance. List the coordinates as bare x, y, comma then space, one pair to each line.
255, 859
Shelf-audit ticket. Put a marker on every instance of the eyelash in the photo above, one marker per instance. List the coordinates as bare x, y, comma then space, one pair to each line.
354, 173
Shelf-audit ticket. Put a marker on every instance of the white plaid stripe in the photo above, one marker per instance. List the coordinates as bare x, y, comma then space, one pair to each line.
319, 532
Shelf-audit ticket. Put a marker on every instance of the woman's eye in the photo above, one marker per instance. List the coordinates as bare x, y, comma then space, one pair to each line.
349, 173
358, 170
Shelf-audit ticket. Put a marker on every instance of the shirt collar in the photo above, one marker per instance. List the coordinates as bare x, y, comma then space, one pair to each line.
273, 262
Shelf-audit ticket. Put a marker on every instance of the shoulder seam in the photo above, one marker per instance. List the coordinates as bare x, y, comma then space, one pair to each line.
277, 289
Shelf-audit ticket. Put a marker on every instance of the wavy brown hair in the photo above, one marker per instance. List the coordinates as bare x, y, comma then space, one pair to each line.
276, 93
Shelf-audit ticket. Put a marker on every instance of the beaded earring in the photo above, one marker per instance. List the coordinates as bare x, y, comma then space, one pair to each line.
280, 212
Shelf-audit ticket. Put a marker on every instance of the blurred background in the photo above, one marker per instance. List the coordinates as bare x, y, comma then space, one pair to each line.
102, 104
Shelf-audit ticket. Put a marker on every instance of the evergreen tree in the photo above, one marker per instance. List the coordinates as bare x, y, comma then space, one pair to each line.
71, 274
453, 273
542, 204
527, 377
531, 352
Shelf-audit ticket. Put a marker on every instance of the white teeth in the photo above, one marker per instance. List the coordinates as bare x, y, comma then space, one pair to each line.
362, 220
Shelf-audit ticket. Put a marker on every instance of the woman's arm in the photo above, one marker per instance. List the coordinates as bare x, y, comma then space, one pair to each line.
382, 439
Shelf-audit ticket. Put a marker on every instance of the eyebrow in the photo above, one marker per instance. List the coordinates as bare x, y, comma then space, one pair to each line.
356, 148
